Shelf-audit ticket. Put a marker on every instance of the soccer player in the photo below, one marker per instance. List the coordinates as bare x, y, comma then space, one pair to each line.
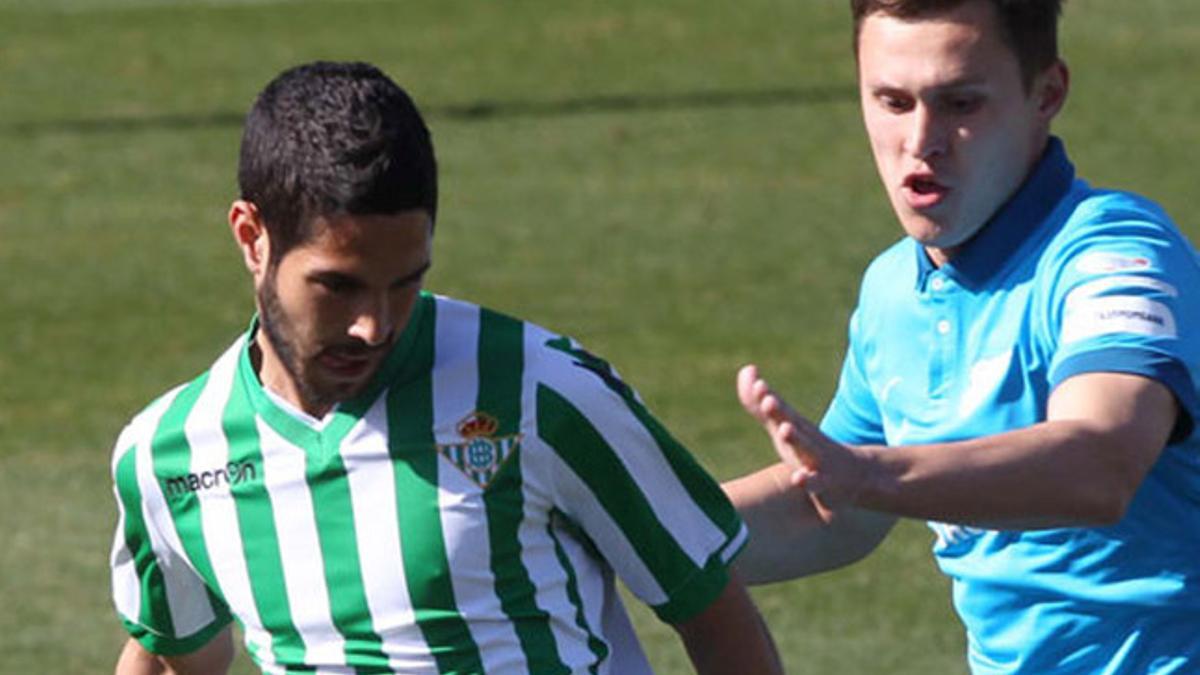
376, 479
1021, 369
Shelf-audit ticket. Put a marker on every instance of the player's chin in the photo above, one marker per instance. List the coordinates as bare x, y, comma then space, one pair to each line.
342, 390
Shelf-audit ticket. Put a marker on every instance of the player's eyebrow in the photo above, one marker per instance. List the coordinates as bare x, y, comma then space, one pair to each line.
964, 82
334, 278
343, 280
415, 275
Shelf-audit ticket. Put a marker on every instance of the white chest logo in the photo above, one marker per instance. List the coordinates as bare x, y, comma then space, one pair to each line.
985, 378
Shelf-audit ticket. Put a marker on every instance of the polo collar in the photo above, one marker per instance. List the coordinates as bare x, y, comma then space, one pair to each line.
1000, 238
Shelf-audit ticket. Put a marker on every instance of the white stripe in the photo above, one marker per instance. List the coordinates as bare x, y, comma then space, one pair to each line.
126, 586
187, 597
589, 583
1117, 314
460, 500
638, 452
605, 613
218, 513
1126, 281
299, 548
372, 482
735, 544
549, 578
547, 574
578, 501
126, 592
456, 384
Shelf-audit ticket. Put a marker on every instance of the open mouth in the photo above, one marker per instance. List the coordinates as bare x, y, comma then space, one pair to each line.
922, 191
923, 186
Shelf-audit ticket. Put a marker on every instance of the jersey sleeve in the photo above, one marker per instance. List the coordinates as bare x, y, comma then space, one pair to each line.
853, 415
159, 598
1124, 300
650, 510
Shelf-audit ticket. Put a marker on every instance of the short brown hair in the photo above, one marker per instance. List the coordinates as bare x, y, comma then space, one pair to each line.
1028, 27
327, 138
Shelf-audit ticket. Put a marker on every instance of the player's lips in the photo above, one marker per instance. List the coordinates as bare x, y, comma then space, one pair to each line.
922, 191
349, 364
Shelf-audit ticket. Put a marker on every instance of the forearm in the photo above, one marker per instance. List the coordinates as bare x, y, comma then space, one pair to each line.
1056, 473
730, 637
135, 660
214, 658
787, 537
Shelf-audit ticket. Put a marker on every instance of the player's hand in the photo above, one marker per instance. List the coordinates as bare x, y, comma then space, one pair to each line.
830, 472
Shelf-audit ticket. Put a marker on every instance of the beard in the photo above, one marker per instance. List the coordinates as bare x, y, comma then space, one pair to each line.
281, 334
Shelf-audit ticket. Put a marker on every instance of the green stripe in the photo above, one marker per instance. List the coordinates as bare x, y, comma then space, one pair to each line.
153, 610
700, 486
426, 568
501, 355
501, 364
599, 647
339, 548
256, 521
171, 455
580, 445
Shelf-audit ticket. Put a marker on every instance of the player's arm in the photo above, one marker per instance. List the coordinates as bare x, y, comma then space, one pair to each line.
214, 658
1081, 466
729, 636
791, 533
788, 538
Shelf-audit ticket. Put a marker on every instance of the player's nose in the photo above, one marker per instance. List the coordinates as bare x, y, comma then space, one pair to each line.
373, 323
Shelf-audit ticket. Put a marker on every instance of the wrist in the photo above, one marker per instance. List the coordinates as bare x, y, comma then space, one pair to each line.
872, 489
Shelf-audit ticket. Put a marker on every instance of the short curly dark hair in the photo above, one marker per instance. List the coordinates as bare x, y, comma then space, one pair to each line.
326, 139
1028, 27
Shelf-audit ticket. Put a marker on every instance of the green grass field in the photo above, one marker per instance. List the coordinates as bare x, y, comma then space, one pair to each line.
682, 185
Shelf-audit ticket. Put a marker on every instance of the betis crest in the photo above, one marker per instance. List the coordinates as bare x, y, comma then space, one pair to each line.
480, 454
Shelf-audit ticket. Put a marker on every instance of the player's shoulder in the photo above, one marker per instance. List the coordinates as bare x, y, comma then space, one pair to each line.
549, 358
1097, 212
143, 426
1109, 232
543, 350
898, 259
890, 274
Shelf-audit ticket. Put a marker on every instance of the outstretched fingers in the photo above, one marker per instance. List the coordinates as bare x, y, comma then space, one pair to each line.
751, 390
797, 441
760, 401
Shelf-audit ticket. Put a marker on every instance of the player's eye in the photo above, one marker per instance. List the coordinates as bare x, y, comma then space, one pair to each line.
894, 103
963, 104
335, 284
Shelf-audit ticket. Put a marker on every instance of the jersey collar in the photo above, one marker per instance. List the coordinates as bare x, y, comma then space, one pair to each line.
396, 367
989, 250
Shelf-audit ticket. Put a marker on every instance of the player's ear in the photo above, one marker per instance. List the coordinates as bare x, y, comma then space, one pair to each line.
250, 234
1050, 89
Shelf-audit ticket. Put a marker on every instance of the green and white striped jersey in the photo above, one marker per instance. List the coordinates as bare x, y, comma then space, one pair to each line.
465, 513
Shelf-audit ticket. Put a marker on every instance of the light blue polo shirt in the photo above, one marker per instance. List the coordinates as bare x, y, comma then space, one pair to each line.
1065, 279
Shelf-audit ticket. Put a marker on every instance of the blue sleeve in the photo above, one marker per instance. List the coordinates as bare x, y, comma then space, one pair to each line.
853, 416
1124, 300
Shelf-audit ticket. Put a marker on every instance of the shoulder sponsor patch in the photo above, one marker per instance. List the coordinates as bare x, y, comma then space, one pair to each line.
1121, 282
1094, 316
1107, 263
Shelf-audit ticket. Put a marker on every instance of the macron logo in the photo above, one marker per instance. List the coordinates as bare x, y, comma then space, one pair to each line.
233, 473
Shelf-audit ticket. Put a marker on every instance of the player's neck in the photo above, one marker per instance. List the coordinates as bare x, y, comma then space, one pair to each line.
274, 376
